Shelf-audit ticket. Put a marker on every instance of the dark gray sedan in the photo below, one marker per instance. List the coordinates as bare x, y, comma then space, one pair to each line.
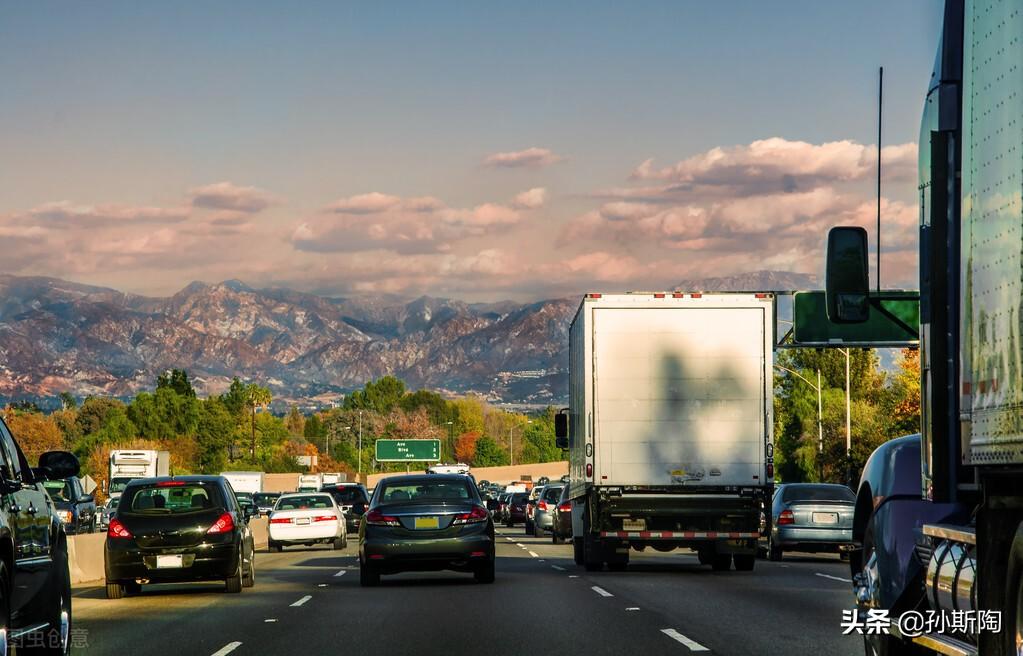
814, 517
426, 522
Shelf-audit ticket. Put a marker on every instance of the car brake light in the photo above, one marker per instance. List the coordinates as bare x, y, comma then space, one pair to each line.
170, 483
478, 514
280, 520
117, 529
786, 518
565, 507
542, 505
225, 524
325, 518
377, 518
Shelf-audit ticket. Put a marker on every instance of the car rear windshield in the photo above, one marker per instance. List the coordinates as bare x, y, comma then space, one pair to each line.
58, 490
818, 493
348, 494
519, 497
264, 497
303, 501
552, 494
425, 492
174, 497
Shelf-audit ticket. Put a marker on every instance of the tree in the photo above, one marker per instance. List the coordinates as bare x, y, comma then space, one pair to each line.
36, 433
314, 427
295, 422
465, 447
177, 380
256, 397
489, 454
215, 431
94, 413
379, 396
539, 443
68, 401
905, 392
440, 411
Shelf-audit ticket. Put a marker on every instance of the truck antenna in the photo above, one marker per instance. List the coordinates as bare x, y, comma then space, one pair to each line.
880, 94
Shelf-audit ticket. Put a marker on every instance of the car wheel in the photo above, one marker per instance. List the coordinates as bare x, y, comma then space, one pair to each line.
339, 544
554, 538
250, 572
114, 590
774, 552
721, 562
485, 573
234, 583
369, 577
745, 562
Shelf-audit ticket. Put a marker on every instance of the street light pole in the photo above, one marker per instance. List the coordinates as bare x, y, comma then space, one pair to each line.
451, 426
359, 474
511, 444
848, 423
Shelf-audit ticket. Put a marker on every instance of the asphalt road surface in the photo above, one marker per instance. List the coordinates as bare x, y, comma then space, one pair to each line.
309, 601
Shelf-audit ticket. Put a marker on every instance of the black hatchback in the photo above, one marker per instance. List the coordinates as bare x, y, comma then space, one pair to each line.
426, 522
183, 528
352, 499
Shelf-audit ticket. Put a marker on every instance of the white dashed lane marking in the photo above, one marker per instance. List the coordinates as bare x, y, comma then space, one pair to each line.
227, 649
302, 600
601, 591
692, 644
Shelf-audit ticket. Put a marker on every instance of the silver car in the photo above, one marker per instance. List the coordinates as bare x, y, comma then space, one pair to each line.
814, 517
543, 515
106, 511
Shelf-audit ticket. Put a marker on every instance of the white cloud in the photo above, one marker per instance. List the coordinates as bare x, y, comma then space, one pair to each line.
370, 203
531, 199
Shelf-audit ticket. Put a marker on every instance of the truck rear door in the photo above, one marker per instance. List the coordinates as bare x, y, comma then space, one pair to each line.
680, 395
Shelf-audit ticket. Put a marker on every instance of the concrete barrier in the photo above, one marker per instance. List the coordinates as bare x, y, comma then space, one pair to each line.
85, 552
552, 470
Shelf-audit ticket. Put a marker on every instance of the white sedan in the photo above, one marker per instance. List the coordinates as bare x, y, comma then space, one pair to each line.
307, 518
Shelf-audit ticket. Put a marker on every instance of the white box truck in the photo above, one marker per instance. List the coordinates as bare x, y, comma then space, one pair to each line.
669, 428
333, 478
249, 482
129, 464
310, 482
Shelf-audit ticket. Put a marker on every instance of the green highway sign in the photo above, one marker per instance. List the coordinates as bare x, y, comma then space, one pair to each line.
402, 450
894, 322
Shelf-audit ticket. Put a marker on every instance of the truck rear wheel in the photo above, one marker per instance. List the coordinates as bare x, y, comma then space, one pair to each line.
593, 554
744, 562
577, 550
721, 562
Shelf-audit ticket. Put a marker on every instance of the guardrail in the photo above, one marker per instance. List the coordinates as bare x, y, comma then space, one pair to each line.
85, 552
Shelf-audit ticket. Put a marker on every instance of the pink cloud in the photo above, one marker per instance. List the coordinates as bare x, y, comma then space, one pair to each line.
370, 203
529, 158
229, 196
531, 199
67, 213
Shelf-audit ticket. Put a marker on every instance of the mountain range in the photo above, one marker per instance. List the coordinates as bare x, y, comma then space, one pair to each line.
60, 336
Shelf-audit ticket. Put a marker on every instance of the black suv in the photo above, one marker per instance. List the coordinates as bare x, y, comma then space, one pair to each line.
74, 507
35, 582
352, 499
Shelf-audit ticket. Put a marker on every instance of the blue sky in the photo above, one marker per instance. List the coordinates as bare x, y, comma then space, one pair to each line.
119, 117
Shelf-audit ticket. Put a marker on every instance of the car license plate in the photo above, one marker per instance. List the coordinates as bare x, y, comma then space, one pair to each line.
825, 518
427, 523
301, 520
168, 561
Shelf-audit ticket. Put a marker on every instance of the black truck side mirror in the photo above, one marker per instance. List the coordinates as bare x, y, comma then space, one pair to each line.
561, 429
847, 283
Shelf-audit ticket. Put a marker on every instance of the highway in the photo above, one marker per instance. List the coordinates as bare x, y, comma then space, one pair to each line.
309, 601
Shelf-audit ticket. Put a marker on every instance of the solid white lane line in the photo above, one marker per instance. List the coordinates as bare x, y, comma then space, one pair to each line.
833, 578
227, 649
601, 591
558, 567
692, 644
302, 600
342, 572
534, 554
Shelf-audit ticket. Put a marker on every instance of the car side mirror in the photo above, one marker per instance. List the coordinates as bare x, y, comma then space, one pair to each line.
561, 430
57, 465
847, 283
86, 498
